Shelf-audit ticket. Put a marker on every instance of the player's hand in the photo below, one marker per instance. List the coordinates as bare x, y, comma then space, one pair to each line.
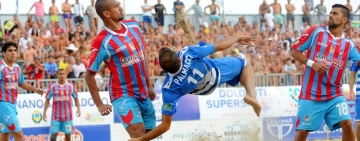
134, 139
319, 67
40, 91
152, 94
44, 117
78, 113
105, 109
247, 40
352, 95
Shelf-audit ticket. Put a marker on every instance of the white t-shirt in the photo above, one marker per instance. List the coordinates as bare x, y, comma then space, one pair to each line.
289, 68
78, 69
23, 43
78, 9
146, 13
270, 19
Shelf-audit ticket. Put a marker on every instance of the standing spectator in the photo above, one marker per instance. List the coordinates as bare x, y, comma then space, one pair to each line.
277, 13
350, 7
39, 12
269, 18
66, 9
147, 12
53, 11
290, 8
290, 70
199, 13
214, 12
159, 15
320, 9
78, 12
263, 9
51, 68
91, 12
178, 5
352, 15
306, 9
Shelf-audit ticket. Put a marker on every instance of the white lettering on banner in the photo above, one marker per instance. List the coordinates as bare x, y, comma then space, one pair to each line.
30, 104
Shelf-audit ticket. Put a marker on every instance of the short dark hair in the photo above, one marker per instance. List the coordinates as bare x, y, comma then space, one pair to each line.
168, 60
101, 6
344, 10
8, 44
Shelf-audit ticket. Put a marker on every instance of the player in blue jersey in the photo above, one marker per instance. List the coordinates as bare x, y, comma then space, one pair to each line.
355, 96
61, 119
10, 78
321, 96
191, 72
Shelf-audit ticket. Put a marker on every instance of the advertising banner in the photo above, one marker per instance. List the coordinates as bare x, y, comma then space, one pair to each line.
82, 133
31, 106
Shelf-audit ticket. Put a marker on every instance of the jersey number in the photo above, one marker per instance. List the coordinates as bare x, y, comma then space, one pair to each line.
342, 107
195, 72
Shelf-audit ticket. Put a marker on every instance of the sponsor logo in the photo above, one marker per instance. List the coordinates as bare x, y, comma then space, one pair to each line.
2, 127
279, 128
307, 118
37, 116
7, 119
75, 136
93, 117
329, 61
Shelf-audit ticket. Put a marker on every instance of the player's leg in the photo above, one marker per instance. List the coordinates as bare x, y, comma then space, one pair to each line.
54, 129
9, 123
309, 118
67, 128
129, 113
357, 130
338, 116
148, 114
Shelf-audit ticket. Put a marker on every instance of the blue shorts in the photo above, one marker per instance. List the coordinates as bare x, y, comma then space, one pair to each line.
131, 111
9, 123
67, 127
312, 113
357, 108
147, 19
230, 69
67, 16
160, 21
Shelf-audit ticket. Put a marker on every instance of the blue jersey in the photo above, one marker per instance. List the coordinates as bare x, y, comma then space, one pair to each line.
356, 68
197, 75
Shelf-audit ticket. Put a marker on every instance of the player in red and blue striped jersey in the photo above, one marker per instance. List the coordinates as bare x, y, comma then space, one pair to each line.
321, 97
10, 78
121, 46
61, 119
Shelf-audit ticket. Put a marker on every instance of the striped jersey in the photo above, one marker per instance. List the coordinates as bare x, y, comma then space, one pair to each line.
123, 53
197, 75
356, 68
10, 79
62, 102
323, 47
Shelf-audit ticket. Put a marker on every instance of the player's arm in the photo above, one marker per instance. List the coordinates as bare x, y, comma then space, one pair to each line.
74, 94
302, 44
31, 8
168, 110
354, 53
27, 86
49, 94
97, 55
353, 70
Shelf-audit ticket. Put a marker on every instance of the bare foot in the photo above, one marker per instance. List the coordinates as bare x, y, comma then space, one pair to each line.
253, 103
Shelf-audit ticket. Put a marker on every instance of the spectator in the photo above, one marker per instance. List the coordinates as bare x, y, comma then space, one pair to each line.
290, 8
99, 81
39, 12
78, 12
159, 15
34, 70
178, 5
277, 13
269, 18
91, 12
263, 9
29, 53
51, 68
306, 9
214, 12
290, 70
78, 67
23, 43
69, 69
53, 11
46, 49
147, 12
350, 7
29, 22
66, 9
320, 9
63, 62
199, 13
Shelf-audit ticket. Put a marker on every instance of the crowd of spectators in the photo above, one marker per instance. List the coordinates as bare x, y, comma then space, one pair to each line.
48, 47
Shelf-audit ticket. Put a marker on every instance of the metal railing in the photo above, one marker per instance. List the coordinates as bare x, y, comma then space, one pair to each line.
261, 80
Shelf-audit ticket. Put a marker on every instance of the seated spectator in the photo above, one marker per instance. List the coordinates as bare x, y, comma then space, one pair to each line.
51, 68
